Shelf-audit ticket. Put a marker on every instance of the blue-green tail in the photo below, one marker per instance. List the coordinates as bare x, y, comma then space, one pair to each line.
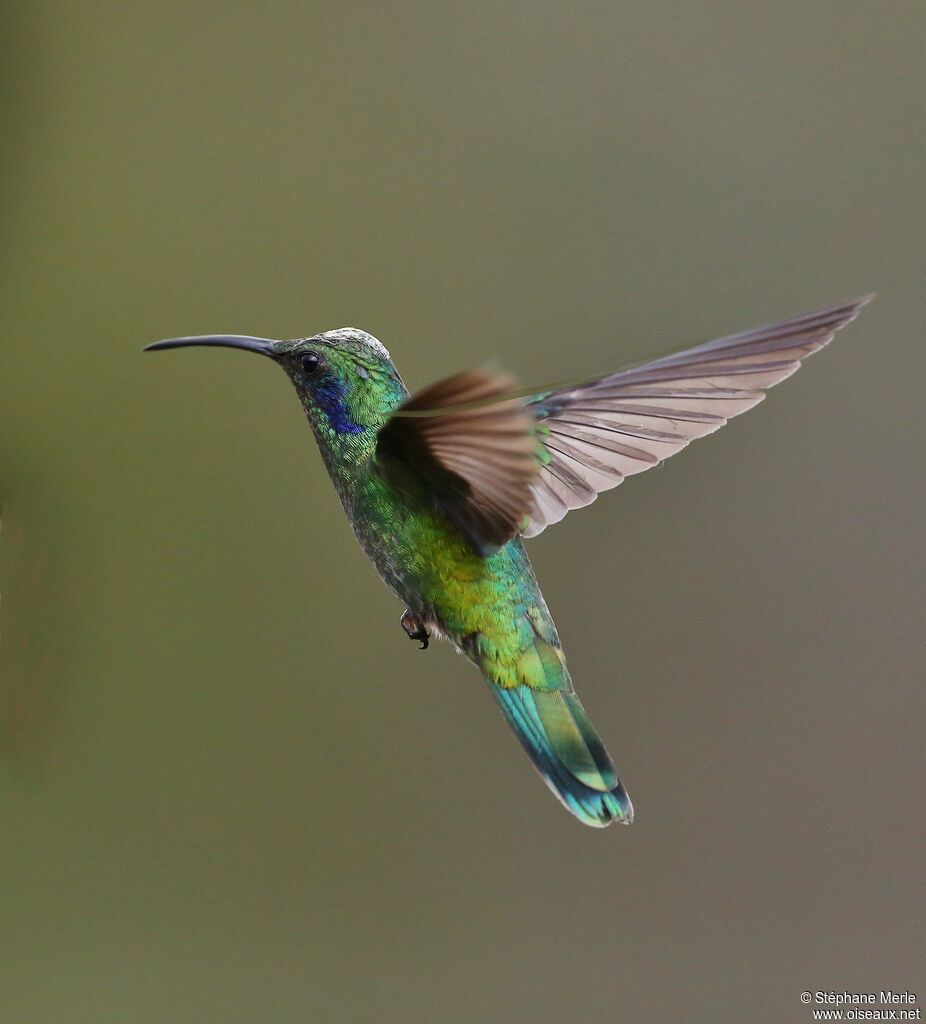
558, 737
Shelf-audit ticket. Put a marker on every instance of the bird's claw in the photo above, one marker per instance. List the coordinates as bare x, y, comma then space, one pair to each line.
414, 629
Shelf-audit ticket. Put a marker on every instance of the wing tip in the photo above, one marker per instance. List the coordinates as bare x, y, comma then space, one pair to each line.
852, 309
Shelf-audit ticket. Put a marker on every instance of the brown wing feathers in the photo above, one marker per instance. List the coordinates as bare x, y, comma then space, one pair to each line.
478, 458
603, 430
477, 447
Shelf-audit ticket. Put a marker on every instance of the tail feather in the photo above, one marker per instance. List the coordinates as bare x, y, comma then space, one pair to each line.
564, 747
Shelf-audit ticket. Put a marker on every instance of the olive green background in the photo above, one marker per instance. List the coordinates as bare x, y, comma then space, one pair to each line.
230, 788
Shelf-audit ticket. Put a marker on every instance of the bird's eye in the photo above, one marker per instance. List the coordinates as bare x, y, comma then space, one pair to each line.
309, 361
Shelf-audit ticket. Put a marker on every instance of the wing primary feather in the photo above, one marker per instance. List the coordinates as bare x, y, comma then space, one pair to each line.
492, 460
644, 414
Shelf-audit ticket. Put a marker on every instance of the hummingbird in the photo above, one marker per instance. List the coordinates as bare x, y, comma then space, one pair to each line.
443, 486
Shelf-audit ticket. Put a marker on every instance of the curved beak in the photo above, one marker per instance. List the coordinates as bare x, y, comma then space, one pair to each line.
263, 346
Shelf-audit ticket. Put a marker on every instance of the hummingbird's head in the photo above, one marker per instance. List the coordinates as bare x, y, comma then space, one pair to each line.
345, 379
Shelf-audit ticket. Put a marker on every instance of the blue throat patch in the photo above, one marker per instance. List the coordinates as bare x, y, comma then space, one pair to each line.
331, 399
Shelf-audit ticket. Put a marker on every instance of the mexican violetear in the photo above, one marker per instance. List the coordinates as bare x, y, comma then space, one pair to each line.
441, 486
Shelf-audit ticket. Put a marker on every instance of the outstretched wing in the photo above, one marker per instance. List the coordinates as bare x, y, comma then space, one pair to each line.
593, 435
474, 447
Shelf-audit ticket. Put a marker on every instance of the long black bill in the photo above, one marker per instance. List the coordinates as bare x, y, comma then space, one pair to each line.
263, 346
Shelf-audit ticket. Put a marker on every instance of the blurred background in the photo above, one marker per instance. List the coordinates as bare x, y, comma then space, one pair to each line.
231, 789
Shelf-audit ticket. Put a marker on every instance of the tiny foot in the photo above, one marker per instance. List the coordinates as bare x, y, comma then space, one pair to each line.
414, 628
